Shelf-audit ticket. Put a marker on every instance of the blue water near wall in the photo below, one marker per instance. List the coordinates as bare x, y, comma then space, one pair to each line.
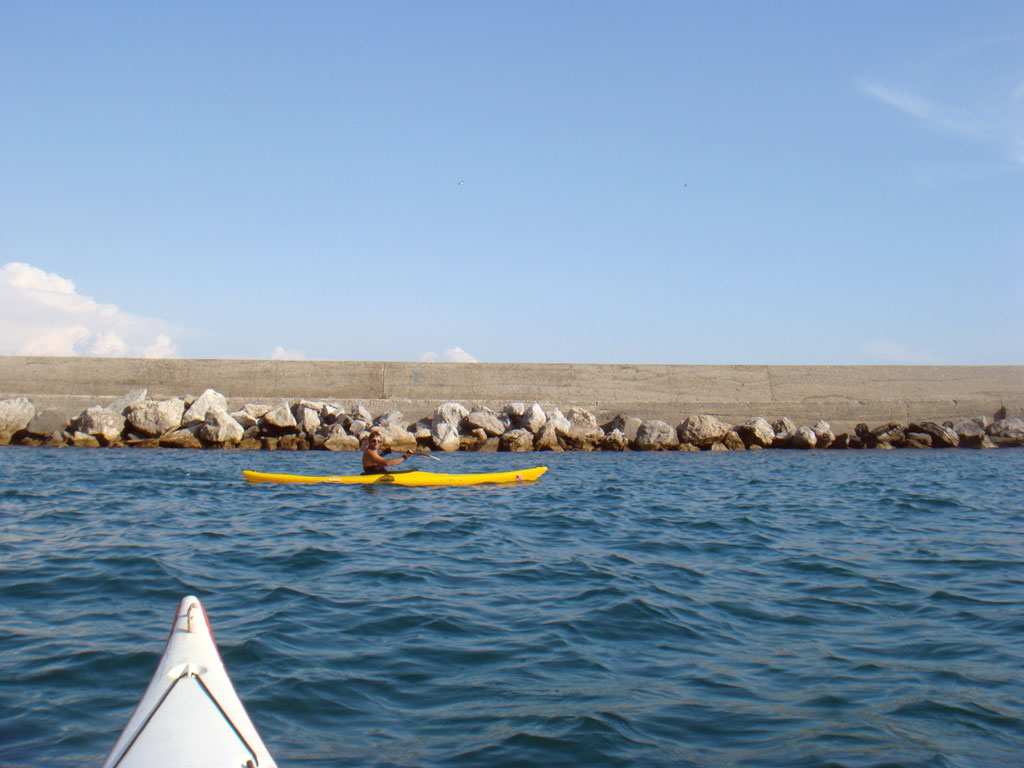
758, 609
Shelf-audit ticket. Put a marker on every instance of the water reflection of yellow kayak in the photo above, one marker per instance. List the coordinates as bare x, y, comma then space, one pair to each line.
413, 478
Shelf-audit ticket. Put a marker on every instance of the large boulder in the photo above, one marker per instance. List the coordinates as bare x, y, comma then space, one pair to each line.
396, 437
784, 429
152, 418
446, 426
487, 421
626, 425
336, 439
219, 428
971, 433
615, 440
196, 413
733, 441
917, 439
244, 418
279, 420
533, 418
823, 434
582, 432
356, 427
391, 417
548, 439
106, 426
656, 435
307, 416
360, 412
702, 431
516, 440
250, 414
46, 424
181, 438
1007, 432
421, 431
514, 413
556, 420
942, 437
449, 413
802, 438
15, 414
330, 412
445, 436
891, 433
757, 432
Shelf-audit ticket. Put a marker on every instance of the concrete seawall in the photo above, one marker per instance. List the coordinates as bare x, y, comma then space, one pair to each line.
842, 395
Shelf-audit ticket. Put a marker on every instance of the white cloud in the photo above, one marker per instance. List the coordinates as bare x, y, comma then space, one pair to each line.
999, 121
42, 313
944, 117
162, 346
280, 353
453, 355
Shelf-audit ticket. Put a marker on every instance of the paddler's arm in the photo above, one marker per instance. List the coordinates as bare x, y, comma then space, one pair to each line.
377, 460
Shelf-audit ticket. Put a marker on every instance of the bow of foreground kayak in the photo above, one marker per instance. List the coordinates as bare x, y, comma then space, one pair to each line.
414, 478
190, 715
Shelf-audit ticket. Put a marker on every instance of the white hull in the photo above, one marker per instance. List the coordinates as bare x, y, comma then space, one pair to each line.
190, 715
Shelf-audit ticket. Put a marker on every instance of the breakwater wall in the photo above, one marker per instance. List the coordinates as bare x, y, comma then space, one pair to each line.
841, 395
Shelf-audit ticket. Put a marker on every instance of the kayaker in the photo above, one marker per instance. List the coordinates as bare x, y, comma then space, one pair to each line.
374, 462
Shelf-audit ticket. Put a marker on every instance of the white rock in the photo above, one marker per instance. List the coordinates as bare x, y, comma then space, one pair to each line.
486, 421
280, 417
153, 418
656, 435
533, 418
757, 432
823, 434
16, 414
515, 412
445, 436
802, 438
450, 413
197, 411
219, 427
516, 440
703, 430
396, 437
256, 411
307, 417
106, 426
244, 418
582, 426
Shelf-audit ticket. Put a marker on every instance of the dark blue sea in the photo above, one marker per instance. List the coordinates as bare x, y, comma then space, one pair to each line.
735, 609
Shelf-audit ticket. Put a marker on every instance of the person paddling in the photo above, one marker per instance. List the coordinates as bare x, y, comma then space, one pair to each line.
374, 462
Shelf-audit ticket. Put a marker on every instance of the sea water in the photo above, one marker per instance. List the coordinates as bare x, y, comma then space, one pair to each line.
676, 609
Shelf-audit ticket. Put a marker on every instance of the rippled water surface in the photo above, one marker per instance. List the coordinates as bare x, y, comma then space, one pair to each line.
761, 609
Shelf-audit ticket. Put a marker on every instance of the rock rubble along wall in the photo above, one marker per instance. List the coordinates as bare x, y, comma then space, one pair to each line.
842, 395
205, 422
81, 402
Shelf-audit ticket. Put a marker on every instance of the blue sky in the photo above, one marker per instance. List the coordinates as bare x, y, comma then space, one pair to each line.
643, 182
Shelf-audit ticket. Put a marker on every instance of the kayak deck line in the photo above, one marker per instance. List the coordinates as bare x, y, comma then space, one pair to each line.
190, 714
191, 674
414, 478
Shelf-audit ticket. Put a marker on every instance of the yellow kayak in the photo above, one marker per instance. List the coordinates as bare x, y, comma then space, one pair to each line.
414, 478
